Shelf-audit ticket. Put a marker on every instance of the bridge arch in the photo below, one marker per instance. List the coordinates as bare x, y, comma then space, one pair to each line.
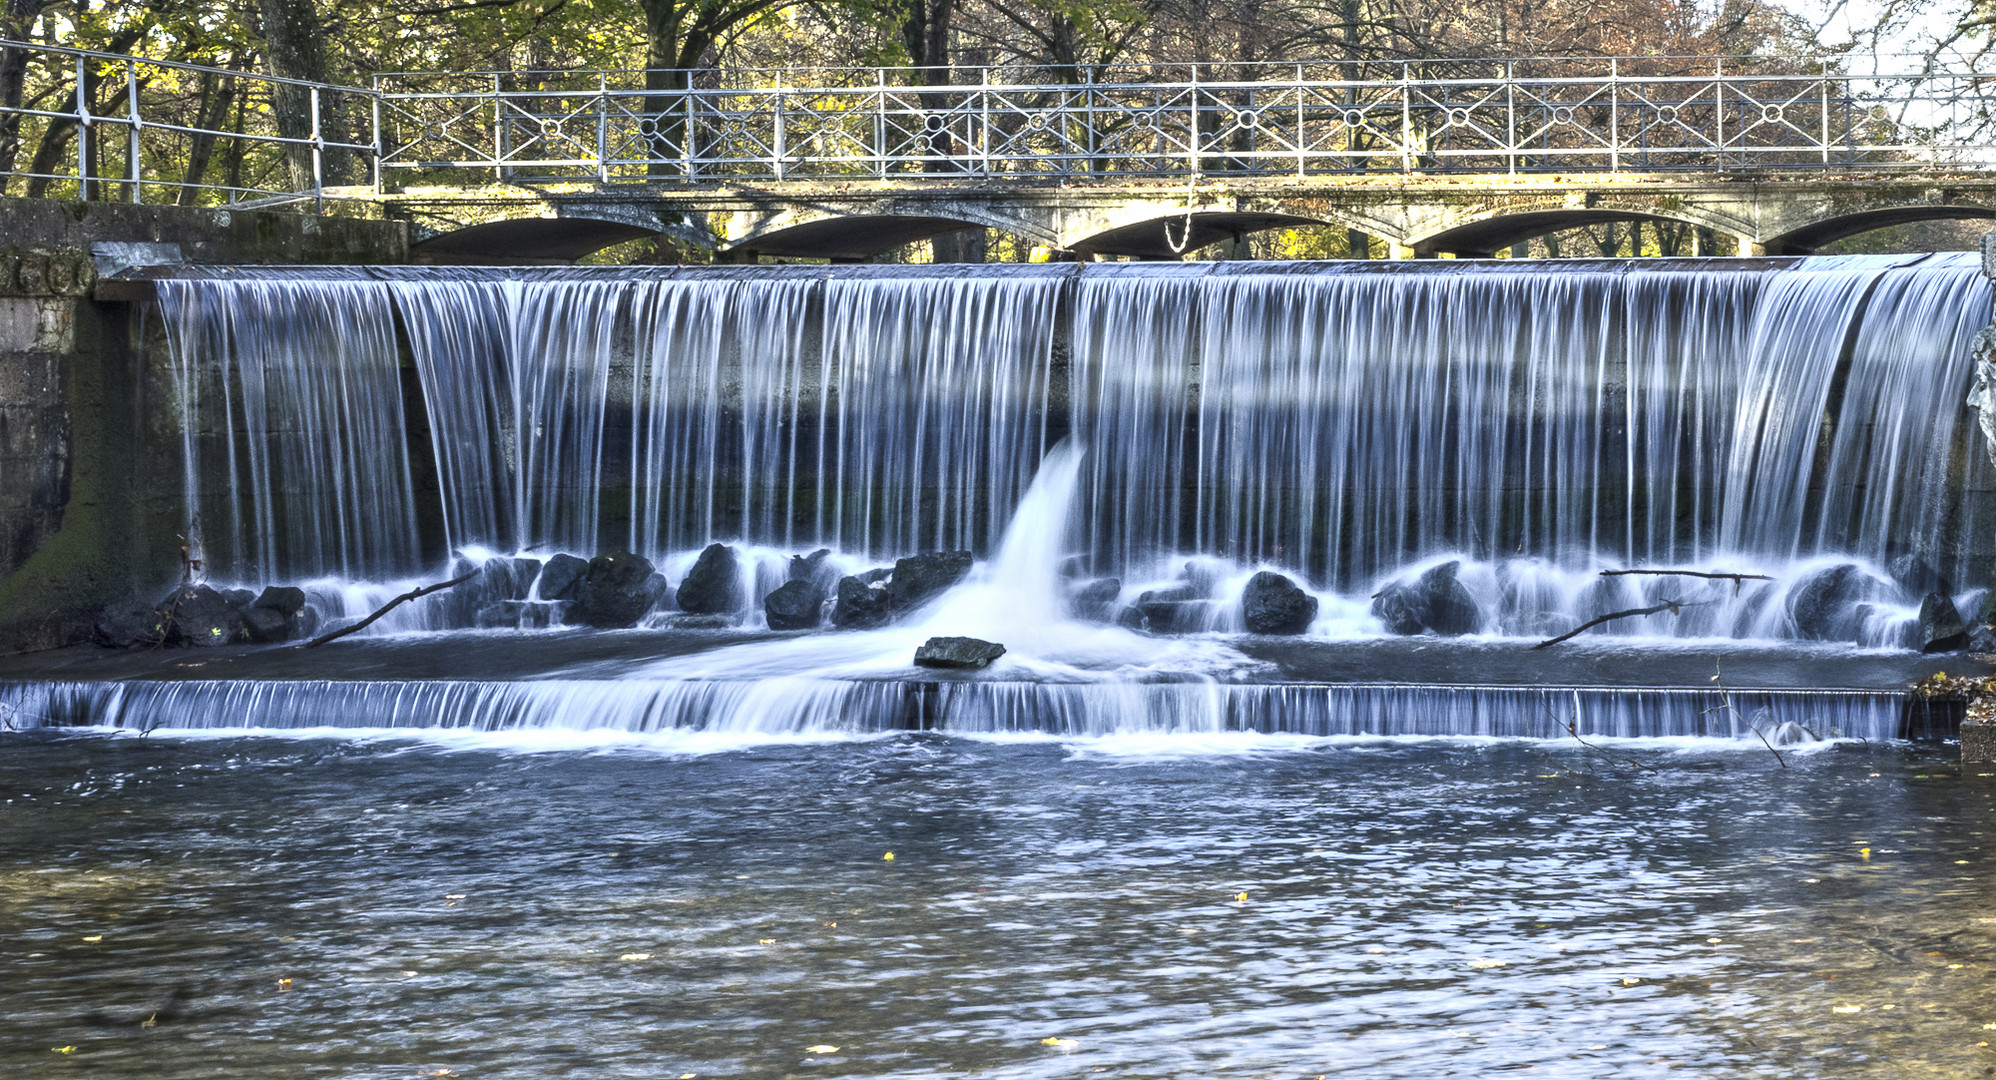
525, 241
1483, 234
1807, 238
1170, 235
848, 232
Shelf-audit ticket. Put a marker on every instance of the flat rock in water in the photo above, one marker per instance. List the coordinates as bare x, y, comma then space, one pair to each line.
1273, 604
959, 653
917, 578
709, 588
861, 606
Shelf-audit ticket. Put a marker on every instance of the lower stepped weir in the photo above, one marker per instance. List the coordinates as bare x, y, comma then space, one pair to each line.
1176, 428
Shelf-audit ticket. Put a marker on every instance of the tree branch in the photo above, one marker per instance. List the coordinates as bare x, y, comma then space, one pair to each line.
390, 605
1671, 606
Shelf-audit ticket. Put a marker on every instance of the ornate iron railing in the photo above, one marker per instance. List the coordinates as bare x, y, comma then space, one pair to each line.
98, 125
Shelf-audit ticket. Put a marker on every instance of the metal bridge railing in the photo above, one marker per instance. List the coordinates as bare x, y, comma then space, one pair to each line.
98, 125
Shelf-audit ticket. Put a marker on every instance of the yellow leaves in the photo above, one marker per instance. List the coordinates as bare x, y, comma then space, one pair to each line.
1864, 853
765, 941
1847, 1008
149, 1022
1715, 941
1059, 1043
94, 938
284, 984
1632, 982
889, 857
62, 1049
635, 956
1486, 963
1240, 898
821, 1048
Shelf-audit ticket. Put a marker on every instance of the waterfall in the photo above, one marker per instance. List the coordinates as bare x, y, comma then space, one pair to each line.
1347, 424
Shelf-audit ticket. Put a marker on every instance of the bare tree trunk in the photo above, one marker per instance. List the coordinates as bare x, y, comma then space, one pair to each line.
296, 49
20, 16
217, 95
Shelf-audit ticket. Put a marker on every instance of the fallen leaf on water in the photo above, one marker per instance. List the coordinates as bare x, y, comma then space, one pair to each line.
95, 937
1486, 963
1847, 1008
62, 1049
765, 941
284, 984
1064, 1044
1864, 853
1632, 982
635, 956
821, 1048
1241, 896
150, 1021
889, 857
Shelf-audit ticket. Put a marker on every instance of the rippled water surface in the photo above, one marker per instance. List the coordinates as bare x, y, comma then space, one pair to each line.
385, 907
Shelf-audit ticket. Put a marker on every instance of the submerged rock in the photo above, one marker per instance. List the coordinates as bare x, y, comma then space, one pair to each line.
198, 615
918, 578
1916, 575
516, 615
816, 570
617, 591
1095, 600
709, 588
794, 605
1273, 604
1177, 610
860, 605
1823, 605
274, 616
284, 599
561, 576
701, 622
959, 653
1941, 628
129, 623
1402, 607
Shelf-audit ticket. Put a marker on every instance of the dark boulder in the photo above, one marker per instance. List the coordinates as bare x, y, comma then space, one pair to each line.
1273, 604
617, 591
958, 653
1202, 579
861, 606
198, 615
268, 626
239, 598
815, 570
794, 605
1176, 610
709, 588
1095, 600
129, 623
1941, 628
283, 599
516, 615
1402, 606
878, 573
561, 576
1823, 604
918, 578
1451, 610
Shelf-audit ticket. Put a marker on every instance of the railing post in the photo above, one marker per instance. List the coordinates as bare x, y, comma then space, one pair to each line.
1614, 115
692, 113
602, 127
82, 129
1406, 117
132, 114
880, 123
1719, 109
499, 139
1194, 159
1823, 84
318, 156
379, 142
1301, 142
781, 170
1511, 114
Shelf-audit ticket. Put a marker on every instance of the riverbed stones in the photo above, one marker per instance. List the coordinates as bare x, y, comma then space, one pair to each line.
709, 588
860, 605
919, 578
284, 599
1095, 600
1940, 626
199, 616
794, 605
129, 623
1273, 604
957, 653
561, 576
1176, 610
1434, 601
618, 590
1822, 603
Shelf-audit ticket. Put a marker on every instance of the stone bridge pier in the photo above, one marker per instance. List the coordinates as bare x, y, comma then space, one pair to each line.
1418, 216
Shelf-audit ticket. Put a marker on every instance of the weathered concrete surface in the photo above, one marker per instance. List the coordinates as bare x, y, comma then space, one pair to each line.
90, 483
1978, 740
1757, 214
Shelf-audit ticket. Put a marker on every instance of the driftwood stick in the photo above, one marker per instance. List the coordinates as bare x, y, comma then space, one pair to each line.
387, 607
1668, 605
1734, 578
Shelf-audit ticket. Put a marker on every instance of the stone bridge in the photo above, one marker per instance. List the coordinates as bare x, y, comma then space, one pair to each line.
1462, 216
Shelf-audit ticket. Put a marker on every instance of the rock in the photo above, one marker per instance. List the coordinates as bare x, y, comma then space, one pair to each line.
617, 591
1434, 601
198, 615
1402, 607
860, 605
1176, 610
283, 599
129, 623
959, 653
268, 626
1130, 618
701, 622
1451, 610
1941, 628
239, 598
516, 615
878, 573
709, 588
1203, 579
1822, 605
1273, 604
561, 576
795, 605
1916, 575
1982, 639
1095, 600
918, 578
812, 567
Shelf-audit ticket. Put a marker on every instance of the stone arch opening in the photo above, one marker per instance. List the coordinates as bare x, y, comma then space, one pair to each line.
535, 241
1806, 239
850, 238
1174, 235
1484, 237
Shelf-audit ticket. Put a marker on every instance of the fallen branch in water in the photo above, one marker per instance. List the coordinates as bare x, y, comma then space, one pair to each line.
1726, 706
1671, 606
1574, 730
384, 609
1736, 579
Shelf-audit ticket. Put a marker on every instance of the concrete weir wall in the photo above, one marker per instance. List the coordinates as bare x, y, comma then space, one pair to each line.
90, 483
